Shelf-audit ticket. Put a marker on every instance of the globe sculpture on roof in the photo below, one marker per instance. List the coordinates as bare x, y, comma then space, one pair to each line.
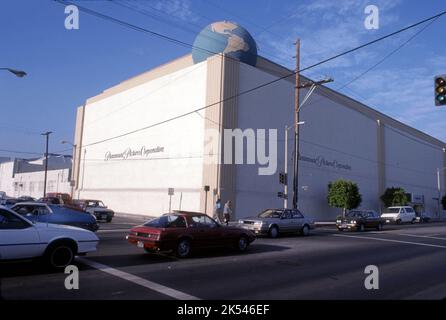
228, 38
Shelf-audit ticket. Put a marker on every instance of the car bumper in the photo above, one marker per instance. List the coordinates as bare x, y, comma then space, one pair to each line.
347, 226
154, 245
255, 229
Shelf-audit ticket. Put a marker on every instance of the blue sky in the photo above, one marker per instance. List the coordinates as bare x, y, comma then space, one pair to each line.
65, 67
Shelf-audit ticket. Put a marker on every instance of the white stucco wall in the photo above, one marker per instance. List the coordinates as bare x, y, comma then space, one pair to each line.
6, 177
31, 183
139, 184
331, 131
411, 163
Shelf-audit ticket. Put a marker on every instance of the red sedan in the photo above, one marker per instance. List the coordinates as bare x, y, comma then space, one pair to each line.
181, 232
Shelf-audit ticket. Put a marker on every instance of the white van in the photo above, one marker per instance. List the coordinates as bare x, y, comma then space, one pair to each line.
399, 215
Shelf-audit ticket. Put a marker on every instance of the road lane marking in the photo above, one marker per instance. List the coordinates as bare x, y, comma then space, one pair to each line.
390, 240
139, 281
112, 230
420, 236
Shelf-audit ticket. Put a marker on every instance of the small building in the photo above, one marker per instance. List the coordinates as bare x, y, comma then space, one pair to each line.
25, 177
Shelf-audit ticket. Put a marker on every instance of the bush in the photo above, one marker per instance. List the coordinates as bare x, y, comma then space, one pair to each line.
395, 196
343, 194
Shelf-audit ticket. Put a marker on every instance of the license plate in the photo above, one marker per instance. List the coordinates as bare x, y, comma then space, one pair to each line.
140, 244
388, 221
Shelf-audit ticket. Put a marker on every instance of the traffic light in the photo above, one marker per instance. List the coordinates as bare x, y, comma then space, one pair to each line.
282, 178
440, 90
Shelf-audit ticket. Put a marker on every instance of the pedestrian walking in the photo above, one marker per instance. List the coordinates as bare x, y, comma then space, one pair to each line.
217, 210
227, 211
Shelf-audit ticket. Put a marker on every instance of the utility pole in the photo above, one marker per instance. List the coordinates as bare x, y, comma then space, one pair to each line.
47, 134
285, 186
296, 127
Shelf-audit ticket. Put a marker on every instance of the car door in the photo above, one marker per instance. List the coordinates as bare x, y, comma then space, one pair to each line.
403, 215
204, 233
371, 219
297, 219
19, 239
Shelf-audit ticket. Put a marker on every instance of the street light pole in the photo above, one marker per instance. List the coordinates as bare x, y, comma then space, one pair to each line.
72, 169
17, 73
47, 134
439, 188
296, 126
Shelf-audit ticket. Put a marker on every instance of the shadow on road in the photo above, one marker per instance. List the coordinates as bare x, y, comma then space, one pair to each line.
141, 258
29, 268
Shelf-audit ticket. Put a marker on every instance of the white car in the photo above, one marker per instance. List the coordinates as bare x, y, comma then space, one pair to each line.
399, 215
56, 244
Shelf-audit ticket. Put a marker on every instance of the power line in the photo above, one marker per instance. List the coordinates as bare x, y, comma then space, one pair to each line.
103, 16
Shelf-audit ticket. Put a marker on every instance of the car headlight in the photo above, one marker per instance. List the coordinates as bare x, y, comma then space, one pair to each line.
353, 222
258, 224
240, 221
338, 221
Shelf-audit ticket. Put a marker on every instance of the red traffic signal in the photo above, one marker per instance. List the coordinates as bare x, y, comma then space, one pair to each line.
440, 90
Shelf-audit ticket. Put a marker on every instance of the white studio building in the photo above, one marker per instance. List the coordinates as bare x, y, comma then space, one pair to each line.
25, 177
143, 136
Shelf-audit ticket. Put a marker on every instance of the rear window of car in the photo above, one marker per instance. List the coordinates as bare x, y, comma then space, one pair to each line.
270, 214
168, 221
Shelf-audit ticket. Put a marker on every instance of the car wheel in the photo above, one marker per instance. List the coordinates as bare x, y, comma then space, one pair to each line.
398, 221
60, 255
379, 227
305, 230
183, 248
109, 220
242, 244
361, 228
273, 232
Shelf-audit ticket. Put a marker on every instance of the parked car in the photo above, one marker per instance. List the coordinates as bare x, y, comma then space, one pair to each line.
273, 222
9, 202
56, 244
57, 214
359, 220
25, 199
400, 214
96, 207
50, 200
182, 232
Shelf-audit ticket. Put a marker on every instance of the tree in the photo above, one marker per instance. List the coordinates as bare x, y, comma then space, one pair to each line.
343, 194
443, 202
394, 197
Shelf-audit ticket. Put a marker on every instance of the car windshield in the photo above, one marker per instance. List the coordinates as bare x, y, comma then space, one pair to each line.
392, 210
354, 214
95, 204
270, 214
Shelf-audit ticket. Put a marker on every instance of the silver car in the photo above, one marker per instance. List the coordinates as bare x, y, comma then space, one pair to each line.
273, 222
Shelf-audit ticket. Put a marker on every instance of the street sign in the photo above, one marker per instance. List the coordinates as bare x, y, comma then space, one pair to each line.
282, 195
170, 191
206, 188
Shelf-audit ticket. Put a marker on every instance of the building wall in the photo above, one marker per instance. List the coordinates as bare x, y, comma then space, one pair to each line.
7, 177
412, 163
139, 183
32, 183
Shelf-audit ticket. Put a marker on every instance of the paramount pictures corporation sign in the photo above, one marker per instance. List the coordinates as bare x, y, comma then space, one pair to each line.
130, 153
320, 161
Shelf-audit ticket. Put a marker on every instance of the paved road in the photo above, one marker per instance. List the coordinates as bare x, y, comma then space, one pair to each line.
325, 265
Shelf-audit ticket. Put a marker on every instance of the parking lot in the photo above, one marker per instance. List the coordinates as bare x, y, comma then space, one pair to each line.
325, 265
